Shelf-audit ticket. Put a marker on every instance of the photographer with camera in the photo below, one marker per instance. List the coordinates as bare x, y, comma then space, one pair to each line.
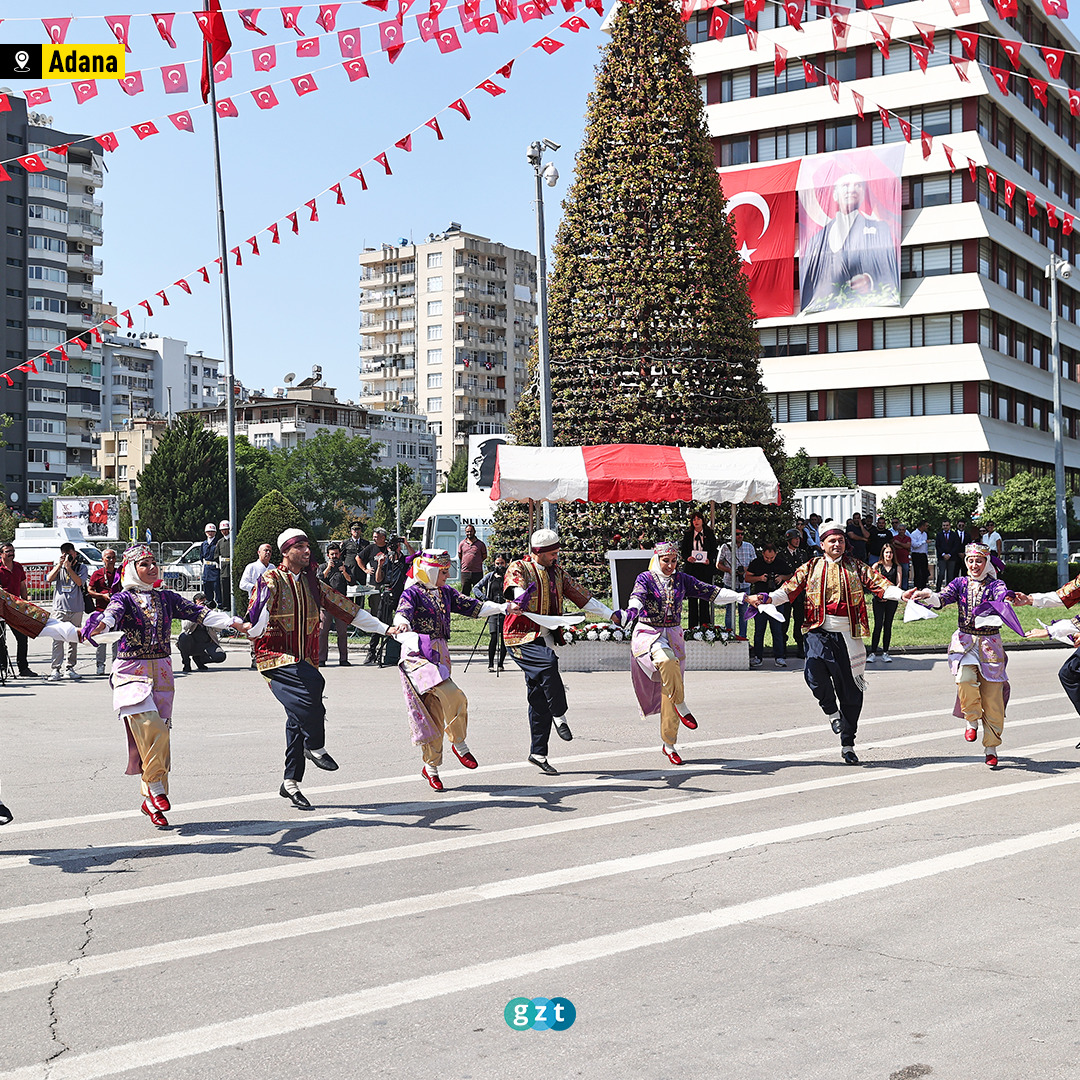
198, 642
336, 574
68, 578
390, 578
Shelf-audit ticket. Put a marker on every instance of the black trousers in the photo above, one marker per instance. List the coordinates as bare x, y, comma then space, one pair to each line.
495, 640
199, 646
299, 688
920, 569
1069, 676
698, 611
884, 612
762, 622
828, 674
21, 643
796, 619
545, 690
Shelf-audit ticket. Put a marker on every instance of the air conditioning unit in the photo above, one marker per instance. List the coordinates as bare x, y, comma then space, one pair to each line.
73, 454
79, 245
84, 305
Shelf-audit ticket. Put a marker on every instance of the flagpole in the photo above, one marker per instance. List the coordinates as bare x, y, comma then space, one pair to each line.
226, 323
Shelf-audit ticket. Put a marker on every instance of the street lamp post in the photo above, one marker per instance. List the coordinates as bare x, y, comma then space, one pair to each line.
1056, 270
545, 174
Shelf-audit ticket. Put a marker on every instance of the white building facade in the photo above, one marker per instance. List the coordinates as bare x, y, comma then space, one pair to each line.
956, 381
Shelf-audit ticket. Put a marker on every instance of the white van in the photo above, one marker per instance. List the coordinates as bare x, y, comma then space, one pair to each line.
184, 574
445, 517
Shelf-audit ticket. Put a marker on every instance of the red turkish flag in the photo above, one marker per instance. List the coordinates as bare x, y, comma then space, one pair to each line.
1010, 192
927, 145
1074, 102
379, 5
487, 24
183, 284
1067, 224
949, 157
216, 35
289, 15
358, 174
349, 42
468, 18
970, 42
505, 70
1012, 51
223, 69
840, 29
794, 11
32, 163
433, 123
163, 23
809, 72
174, 79
253, 241
307, 47
447, 40
127, 315
391, 36
37, 97
507, 10
275, 236
922, 54
304, 84
1056, 8
779, 60
97, 333
120, 26
991, 179
56, 29
107, 141
461, 107
437, 7
718, 23
84, 91
549, 45
236, 251
885, 116
529, 9
225, 107
492, 88
336, 189
596, 5
753, 8
751, 38
1006, 9
905, 127
1001, 77
295, 223
1031, 204
164, 302
834, 87
381, 159
859, 102
205, 274
405, 143
145, 129
132, 83
960, 66
356, 69
926, 32
182, 121
264, 58
1038, 88
149, 309
574, 24
328, 16
248, 17
1053, 58
5, 103
428, 26
761, 207
265, 97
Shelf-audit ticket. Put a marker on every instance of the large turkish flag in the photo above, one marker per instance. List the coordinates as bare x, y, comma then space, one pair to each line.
761, 205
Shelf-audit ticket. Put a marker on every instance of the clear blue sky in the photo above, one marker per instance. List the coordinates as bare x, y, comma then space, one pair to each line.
296, 304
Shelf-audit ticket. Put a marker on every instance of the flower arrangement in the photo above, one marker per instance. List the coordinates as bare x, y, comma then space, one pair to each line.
711, 635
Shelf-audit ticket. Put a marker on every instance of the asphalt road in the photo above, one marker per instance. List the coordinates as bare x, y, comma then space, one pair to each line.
761, 912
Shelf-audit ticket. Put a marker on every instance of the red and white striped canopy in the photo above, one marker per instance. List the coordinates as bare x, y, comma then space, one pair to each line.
631, 472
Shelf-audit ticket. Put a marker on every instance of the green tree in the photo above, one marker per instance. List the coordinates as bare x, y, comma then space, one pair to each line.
324, 470
651, 327
413, 500
929, 498
266, 521
1025, 507
457, 479
254, 471
802, 473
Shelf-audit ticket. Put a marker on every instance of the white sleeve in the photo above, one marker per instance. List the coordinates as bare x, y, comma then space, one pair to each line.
218, 620
489, 607
730, 596
367, 622
258, 628
635, 602
893, 592
1046, 600
595, 607
400, 620
931, 600
779, 597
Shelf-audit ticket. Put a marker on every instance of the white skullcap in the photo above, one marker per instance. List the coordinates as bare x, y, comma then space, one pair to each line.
545, 540
290, 534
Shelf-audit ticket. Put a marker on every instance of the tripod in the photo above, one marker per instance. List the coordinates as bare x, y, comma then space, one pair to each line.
7, 669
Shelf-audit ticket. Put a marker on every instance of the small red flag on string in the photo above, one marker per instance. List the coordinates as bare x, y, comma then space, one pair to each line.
487, 24
927, 144
174, 79
182, 121
1074, 102
356, 69
751, 38
549, 45
254, 242
447, 40
30, 367
84, 91
349, 43
215, 35
183, 284
1038, 88
391, 35
382, 160
574, 24
1012, 51
1054, 59
32, 163
164, 28
145, 129
960, 66
970, 43
505, 70
405, 143
97, 333
859, 101
37, 97
328, 16
461, 107
427, 25
1006, 9
295, 224
1001, 77
304, 84
507, 10
275, 237
120, 26
433, 123
794, 11
248, 17
265, 97
1032, 208
834, 87
226, 107
289, 18
1056, 8
223, 69
307, 47
83, 345
839, 33
1051, 215
973, 170
1067, 224
991, 177
884, 114
922, 54
336, 189
358, 174
149, 309
905, 127
56, 29
960, 7
236, 251
779, 60
491, 87
164, 301
529, 10
718, 23
131, 83
949, 157
107, 141
1010, 191
926, 32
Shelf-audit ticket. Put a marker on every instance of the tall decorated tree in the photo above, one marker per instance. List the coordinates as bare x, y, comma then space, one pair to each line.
650, 324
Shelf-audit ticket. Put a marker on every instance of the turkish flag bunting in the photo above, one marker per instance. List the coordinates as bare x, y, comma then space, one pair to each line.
437, 7
487, 24
132, 83
264, 58
779, 60
275, 236
868, 4
960, 66
569, 5
528, 10
468, 18
120, 26
905, 127
491, 87
794, 11
687, 9
174, 79
859, 102
1001, 77
405, 143
884, 114
379, 5
1032, 208
927, 144
834, 87
349, 42
505, 70
295, 224
37, 97
110, 321
1051, 215
382, 160
761, 209
428, 25
183, 284
753, 8
358, 174
1053, 58
164, 302
970, 42
1012, 50
289, 16
922, 54
404, 5
433, 123
61, 149
973, 171
56, 29
145, 129
84, 346
308, 46
1056, 8
107, 141
507, 10
225, 107
751, 38
182, 121
236, 251
390, 35
839, 33
265, 97
32, 163
163, 23
1074, 102
949, 157
926, 32
254, 242
304, 84
596, 5
991, 177
223, 69
11, 381
1038, 88
149, 309
216, 35
461, 107
5, 103
881, 41
356, 69
84, 91
809, 72
336, 189
1066, 224
205, 274
718, 23
248, 17
574, 24
1010, 191
447, 40
30, 366
960, 7
328, 16
97, 333
1006, 9
220, 266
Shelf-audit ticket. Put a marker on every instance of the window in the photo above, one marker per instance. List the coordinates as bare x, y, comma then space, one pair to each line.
434, 356
15, 294
735, 150
14, 324
45, 457
434, 404
47, 213
434, 332
13, 231
434, 307
435, 284
787, 142
122, 471
47, 394
789, 341
794, 408
42, 333
46, 273
47, 243
434, 380
47, 303
46, 427
46, 182
434, 259
123, 446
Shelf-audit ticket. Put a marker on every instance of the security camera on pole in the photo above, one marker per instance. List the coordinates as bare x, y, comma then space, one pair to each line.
1058, 269
545, 174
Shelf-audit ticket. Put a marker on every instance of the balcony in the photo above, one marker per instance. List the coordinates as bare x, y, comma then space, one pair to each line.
83, 261
87, 174
89, 202
80, 410
90, 234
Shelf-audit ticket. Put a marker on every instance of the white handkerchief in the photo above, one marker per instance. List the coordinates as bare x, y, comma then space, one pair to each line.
554, 622
914, 612
772, 611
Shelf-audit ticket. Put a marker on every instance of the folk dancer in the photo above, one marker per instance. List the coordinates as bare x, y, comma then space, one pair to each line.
834, 626
27, 620
540, 585
658, 647
437, 706
1066, 630
142, 675
285, 614
976, 654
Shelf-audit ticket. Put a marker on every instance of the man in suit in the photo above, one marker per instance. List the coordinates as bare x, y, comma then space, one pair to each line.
949, 543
